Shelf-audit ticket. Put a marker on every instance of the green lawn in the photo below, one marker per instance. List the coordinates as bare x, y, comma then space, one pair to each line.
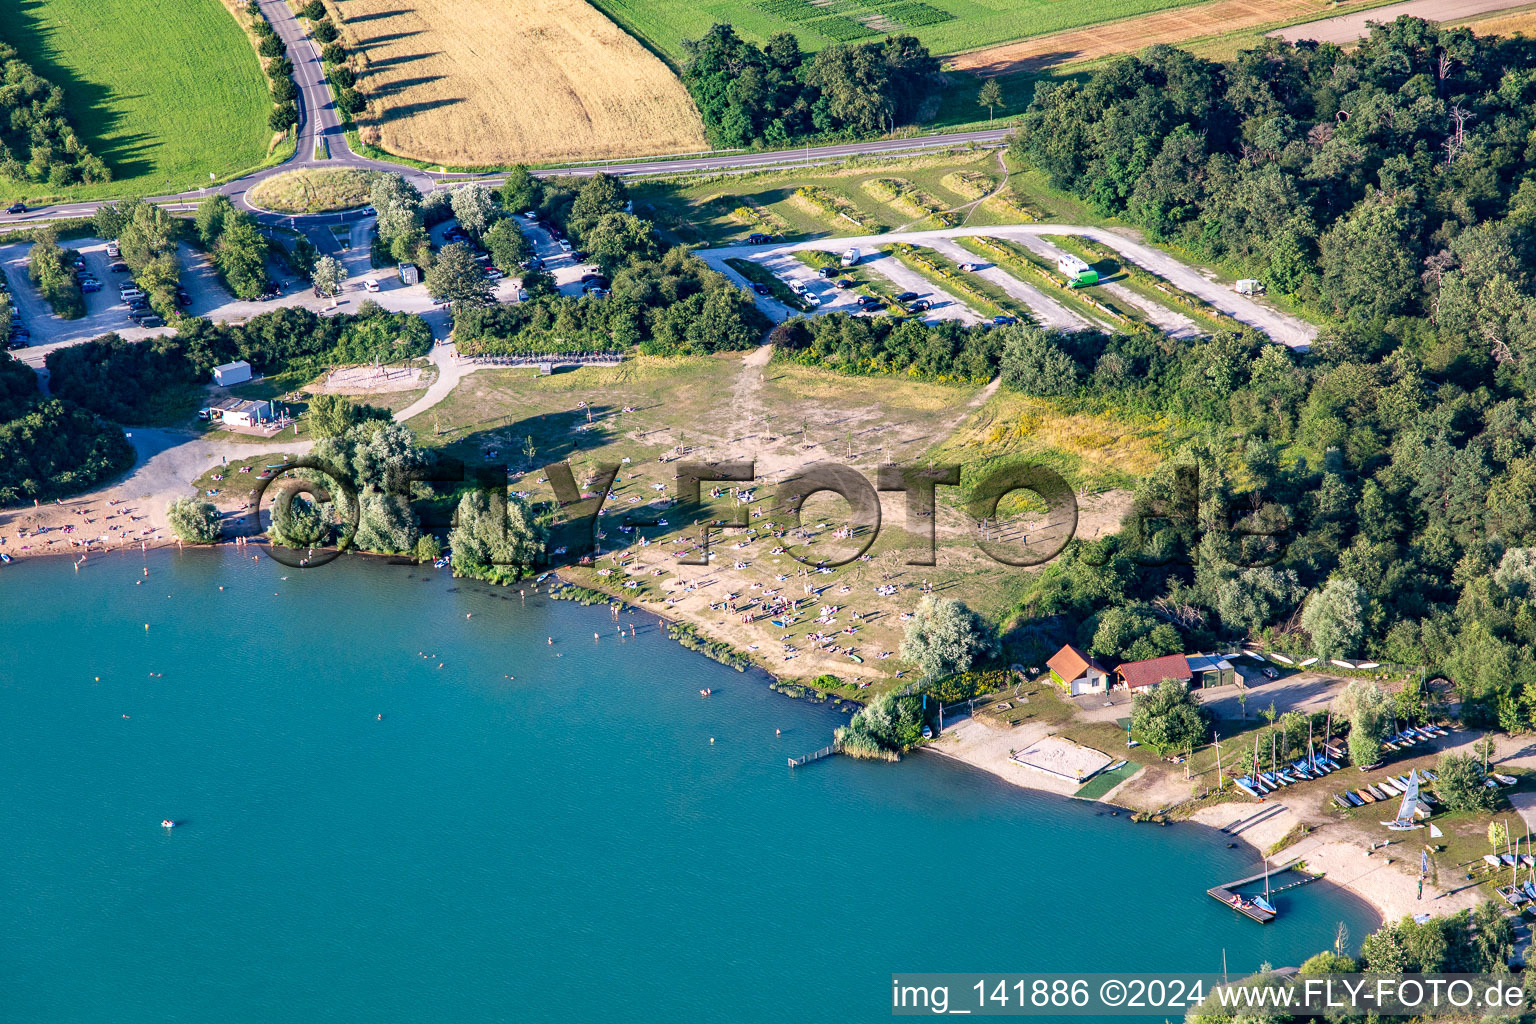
164, 91
946, 26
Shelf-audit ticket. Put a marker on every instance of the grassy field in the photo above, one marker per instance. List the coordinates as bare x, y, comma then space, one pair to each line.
782, 416
165, 91
466, 82
946, 26
312, 191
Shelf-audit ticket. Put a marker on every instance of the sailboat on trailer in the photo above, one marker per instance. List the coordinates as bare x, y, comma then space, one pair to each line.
1412, 804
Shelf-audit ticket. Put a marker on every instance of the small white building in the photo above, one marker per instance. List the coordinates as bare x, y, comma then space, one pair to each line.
238, 412
237, 372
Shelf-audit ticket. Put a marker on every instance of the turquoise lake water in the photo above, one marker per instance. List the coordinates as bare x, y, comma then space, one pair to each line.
563, 846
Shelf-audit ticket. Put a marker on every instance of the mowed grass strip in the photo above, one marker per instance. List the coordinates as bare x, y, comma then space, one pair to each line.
165, 91
946, 26
475, 83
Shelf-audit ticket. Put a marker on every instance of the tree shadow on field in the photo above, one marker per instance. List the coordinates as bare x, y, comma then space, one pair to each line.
395, 88
353, 19
408, 109
368, 44
88, 105
394, 62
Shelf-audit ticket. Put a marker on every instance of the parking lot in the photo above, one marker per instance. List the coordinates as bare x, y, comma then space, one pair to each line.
104, 311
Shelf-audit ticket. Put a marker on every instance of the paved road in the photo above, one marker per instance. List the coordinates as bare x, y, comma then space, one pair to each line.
1346, 28
1282, 327
944, 305
1049, 312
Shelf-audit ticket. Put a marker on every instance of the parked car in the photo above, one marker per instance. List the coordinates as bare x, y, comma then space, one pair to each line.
182, 297
906, 297
578, 256
591, 277
151, 321
826, 271
919, 306
368, 211
118, 267
565, 246
90, 285
760, 288
371, 285
868, 301
756, 239
968, 267
493, 274
844, 284
129, 293
1270, 673
114, 251
1004, 321
17, 208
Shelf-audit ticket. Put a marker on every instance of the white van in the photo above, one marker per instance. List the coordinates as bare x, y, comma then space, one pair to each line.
130, 293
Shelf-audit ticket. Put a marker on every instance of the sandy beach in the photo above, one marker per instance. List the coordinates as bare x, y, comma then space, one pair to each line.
1385, 878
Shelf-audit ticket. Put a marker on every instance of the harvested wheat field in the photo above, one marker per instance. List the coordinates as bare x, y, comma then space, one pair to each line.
1133, 34
486, 82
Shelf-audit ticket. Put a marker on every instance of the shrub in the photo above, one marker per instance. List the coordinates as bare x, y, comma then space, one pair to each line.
196, 522
271, 46
1459, 783
1168, 717
945, 636
333, 53
323, 31
884, 728
313, 11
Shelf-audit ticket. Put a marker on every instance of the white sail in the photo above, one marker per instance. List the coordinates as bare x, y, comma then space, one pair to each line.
1411, 805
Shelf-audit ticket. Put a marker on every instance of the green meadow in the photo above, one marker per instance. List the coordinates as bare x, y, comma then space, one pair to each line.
946, 26
165, 91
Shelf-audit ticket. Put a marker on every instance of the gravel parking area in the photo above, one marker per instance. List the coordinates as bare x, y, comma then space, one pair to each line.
945, 306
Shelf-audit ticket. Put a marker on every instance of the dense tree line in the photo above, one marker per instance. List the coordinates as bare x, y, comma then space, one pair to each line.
279, 69
663, 300
125, 380
770, 94
37, 142
1377, 497
669, 305
51, 447
146, 234
52, 270
1479, 941
944, 351
239, 248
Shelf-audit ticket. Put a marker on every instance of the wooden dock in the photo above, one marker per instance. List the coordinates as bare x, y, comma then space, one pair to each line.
817, 755
1226, 892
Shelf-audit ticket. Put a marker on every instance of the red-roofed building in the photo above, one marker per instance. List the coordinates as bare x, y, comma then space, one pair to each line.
1076, 673
1138, 675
